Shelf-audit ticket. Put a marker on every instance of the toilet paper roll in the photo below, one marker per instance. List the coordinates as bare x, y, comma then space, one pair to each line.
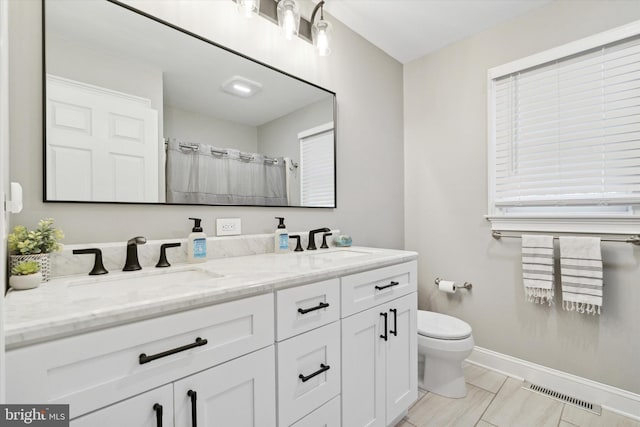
447, 286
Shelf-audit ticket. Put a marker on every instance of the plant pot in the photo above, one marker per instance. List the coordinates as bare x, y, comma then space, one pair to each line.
43, 260
29, 281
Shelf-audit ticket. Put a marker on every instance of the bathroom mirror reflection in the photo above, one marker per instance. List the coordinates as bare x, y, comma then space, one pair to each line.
139, 111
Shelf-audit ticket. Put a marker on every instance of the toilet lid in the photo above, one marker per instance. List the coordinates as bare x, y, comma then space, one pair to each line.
441, 326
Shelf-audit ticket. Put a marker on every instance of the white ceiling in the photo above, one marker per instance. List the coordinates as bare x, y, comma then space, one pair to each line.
410, 29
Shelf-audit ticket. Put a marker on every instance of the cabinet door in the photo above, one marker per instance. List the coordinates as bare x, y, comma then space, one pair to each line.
138, 411
316, 356
239, 393
401, 356
363, 397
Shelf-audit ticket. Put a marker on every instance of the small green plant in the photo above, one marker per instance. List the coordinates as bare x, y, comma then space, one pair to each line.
25, 268
42, 240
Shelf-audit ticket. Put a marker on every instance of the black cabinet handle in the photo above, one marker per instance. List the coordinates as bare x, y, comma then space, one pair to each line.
386, 327
395, 321
317, 307
146, 359
194, 414
387, 286
158, 408
323, 368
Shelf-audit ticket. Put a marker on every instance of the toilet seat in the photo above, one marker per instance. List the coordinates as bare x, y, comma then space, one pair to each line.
441, 326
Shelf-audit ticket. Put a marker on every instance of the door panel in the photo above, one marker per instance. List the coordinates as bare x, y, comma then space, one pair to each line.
402, 353
238, 393
363, 370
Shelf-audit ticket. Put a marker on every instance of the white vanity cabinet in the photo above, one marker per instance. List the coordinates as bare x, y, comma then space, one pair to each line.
379, 346
308, 331
94, 370
340, 352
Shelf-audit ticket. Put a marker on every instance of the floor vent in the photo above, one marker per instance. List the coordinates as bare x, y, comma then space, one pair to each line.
588, 406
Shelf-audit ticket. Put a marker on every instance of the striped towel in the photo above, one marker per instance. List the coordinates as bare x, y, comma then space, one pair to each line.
581, 265
537, 268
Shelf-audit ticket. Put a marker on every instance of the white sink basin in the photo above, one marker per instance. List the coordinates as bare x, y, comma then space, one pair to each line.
146, 279
335, 255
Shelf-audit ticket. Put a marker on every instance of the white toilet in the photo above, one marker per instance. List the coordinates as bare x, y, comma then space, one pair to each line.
443, 343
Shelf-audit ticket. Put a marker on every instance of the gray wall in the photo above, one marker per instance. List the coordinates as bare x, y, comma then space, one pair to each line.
446, 198
199, 128
369, 124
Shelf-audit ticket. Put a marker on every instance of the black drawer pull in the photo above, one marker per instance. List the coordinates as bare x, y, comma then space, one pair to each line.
395, 321
158, 408
317, 307
194, 414
385, 336
146, 359
387, 286
323, 368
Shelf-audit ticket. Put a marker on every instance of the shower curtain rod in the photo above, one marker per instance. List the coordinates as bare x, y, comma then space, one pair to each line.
635, 238
243, 156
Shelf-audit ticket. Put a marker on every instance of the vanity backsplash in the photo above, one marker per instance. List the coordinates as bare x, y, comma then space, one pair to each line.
65, 263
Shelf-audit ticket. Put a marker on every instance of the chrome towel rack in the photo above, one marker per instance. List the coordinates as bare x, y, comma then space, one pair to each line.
634, 239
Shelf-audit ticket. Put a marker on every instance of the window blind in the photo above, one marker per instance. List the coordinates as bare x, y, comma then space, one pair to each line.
567, 133
317, 170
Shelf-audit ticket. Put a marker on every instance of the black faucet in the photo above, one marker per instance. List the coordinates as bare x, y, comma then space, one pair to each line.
132, 263
312, 237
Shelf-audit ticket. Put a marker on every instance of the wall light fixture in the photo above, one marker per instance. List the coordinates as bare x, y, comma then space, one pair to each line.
286, 14
321, 31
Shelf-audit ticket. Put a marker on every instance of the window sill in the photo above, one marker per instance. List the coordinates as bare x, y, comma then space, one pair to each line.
566, 224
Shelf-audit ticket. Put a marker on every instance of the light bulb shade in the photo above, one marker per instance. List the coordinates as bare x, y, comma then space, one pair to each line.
289, 17
321, 35
248, 8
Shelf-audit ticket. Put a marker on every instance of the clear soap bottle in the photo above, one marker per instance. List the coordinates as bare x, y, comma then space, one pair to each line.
196, 243
281, 238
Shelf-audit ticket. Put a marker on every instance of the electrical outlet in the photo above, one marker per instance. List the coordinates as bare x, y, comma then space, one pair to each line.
228, 226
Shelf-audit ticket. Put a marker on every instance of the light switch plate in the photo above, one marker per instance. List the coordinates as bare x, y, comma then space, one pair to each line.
228, 226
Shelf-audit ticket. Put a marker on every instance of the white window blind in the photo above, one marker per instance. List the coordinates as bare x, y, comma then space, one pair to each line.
567, 132
317, 170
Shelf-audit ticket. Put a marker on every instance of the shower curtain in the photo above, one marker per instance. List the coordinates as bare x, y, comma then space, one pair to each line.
201, 175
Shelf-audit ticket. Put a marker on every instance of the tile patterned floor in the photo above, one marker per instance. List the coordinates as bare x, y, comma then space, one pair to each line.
494, 400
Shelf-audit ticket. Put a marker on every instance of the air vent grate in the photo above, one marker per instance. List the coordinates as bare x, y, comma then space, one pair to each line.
588, 406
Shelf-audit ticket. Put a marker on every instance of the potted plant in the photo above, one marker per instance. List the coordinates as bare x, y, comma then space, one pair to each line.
25, 275
35, 245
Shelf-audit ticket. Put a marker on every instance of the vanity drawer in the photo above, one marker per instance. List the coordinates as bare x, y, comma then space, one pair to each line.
307, 307
316, 352
328, 415
91, 371
365, 290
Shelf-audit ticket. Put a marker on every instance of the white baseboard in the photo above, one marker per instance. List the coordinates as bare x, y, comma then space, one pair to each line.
611, 398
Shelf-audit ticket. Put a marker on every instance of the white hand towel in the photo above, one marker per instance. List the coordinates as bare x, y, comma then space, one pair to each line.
537, 268
581, 274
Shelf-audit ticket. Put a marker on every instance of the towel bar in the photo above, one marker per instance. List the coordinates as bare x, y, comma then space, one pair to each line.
635, 239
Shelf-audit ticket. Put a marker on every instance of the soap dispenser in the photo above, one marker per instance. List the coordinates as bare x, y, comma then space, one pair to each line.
197, 243
281, 238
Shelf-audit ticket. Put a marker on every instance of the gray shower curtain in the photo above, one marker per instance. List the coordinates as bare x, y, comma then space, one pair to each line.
200, 176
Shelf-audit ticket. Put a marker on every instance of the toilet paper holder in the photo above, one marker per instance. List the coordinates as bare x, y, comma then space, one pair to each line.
465, 285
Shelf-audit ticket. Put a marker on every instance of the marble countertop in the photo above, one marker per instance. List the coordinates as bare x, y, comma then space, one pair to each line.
73, 305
